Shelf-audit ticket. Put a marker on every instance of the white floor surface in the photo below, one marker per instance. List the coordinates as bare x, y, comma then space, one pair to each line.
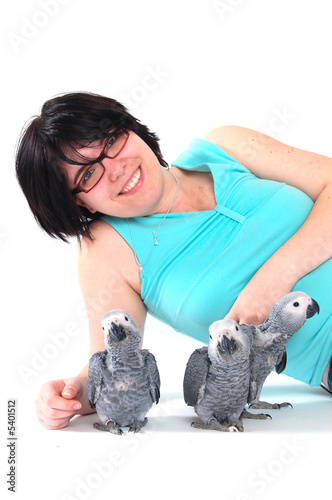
270, 460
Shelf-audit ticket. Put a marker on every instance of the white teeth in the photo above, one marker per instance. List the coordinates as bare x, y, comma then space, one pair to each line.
133, 181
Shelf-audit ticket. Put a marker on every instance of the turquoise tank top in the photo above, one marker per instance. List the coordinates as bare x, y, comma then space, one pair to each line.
204, 259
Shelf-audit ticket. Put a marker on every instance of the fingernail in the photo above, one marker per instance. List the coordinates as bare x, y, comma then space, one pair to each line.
68, 393
78, 406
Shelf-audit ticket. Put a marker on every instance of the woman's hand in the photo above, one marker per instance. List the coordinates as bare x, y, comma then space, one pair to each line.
59, 401
256, 300
252, 309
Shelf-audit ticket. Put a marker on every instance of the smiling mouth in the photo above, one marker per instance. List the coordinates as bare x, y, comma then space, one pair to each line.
133, 181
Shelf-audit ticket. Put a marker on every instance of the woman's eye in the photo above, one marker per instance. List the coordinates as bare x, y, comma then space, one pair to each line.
111, 141
87, 176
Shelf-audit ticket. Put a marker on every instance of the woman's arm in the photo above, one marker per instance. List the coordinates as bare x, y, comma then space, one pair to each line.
109, 280
311, 245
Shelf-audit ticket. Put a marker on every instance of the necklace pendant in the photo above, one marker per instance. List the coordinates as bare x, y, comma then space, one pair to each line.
155, 233
155, 242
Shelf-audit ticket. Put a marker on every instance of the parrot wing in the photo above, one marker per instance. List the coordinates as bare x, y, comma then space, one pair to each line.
152, 374
281, 362
250, 331
195, 376
95, 376
253, 386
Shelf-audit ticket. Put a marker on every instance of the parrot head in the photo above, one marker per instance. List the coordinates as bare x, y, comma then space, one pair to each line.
291, 311
227, 339
120, 329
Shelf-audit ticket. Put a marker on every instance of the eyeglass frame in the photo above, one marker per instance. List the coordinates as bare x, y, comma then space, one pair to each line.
79, 189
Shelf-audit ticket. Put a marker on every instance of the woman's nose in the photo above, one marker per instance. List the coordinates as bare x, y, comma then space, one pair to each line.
114, 168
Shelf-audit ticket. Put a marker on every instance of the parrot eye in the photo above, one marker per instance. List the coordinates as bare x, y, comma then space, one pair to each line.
237, 328
296, 304
126, 318
211, 337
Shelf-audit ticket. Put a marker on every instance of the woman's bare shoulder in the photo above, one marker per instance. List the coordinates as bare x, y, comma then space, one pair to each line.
108, 276
107, 254
102, 234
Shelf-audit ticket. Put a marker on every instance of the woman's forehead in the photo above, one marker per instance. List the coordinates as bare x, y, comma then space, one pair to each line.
83, 153
91, 150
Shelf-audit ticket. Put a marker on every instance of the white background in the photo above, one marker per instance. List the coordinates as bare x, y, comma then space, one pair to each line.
257, 63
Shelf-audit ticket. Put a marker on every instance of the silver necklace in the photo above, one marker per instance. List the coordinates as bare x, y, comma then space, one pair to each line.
155, 233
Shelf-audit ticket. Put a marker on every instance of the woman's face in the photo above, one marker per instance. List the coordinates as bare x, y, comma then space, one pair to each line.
134, 183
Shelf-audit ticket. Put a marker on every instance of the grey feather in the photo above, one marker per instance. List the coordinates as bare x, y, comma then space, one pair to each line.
123, 381
152, 374
195, 376
95, 378
281, 362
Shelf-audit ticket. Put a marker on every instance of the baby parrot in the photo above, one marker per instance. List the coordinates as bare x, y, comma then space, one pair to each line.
217, 378
269, 341
123, 380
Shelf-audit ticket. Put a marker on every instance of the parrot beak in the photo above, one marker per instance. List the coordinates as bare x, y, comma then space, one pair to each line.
227, 346
117, 332
312, 309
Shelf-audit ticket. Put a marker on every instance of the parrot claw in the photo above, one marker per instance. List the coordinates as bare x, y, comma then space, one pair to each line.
109, 426
281, 405
214, 425
255, 416
235, 425
261, 405
137, 426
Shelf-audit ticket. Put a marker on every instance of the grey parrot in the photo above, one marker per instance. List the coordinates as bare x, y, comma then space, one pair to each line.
269, 341
123, 380
217, 377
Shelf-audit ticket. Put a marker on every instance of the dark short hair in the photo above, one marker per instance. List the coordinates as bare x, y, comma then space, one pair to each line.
67, 123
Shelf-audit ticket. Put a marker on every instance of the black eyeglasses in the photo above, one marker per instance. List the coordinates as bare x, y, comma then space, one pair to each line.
94, 172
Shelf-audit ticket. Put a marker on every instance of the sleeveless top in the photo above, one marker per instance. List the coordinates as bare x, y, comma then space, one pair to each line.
204, 259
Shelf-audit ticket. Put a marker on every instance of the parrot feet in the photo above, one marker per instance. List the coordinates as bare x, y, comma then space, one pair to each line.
214, 425
235, 423
109, 426
137, 425
255, 416
261, 405
114, 428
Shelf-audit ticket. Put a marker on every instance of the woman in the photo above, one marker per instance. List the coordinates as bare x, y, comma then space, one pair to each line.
239, 220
